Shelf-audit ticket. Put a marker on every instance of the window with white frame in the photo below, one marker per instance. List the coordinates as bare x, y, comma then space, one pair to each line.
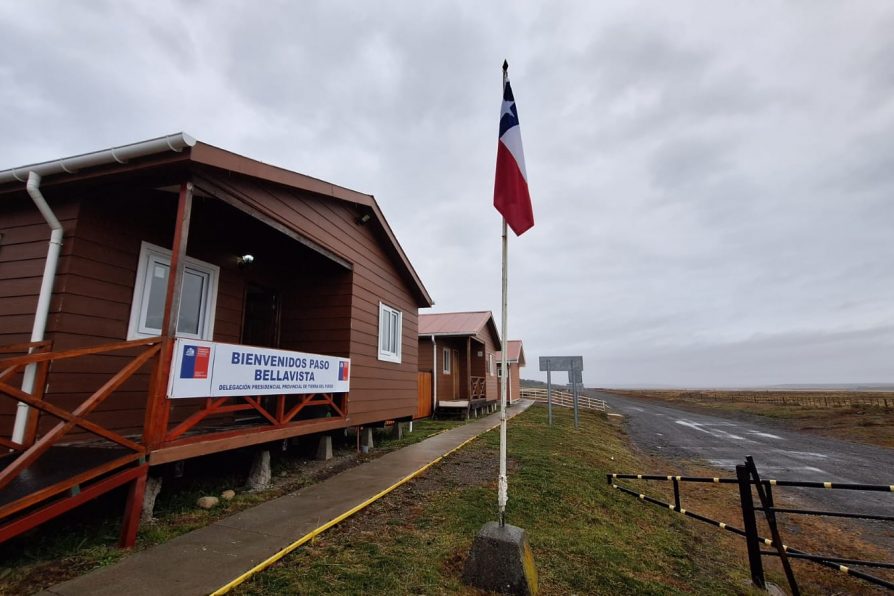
390, 333
197, 300
491, 365
446, 367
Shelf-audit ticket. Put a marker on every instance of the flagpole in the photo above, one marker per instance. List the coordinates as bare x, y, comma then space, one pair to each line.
504, 357
503, 484
501, 558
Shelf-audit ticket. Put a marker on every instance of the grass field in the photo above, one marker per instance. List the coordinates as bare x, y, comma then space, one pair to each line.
861, 417
586, 539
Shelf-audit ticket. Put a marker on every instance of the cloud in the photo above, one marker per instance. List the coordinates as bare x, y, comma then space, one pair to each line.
711, 185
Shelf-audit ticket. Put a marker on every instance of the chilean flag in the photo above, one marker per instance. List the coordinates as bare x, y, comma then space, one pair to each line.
511, 196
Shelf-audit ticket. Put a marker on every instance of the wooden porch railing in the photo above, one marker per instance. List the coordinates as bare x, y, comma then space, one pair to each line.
123, 458
32, 447
283, 411
35, 498
479, 388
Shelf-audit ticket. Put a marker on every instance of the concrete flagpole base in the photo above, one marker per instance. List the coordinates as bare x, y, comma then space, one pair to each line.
501, 561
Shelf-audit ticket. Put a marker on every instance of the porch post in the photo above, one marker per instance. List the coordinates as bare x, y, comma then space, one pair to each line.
158, 408
469, 368
134, 507
434, 375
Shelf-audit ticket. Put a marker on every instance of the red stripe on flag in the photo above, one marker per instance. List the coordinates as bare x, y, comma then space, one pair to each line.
511, 196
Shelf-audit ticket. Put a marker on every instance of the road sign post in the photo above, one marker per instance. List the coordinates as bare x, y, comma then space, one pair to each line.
574, 365
549, 393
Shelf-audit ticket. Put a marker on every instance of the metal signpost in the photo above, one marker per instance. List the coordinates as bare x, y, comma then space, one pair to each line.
574, 365
549, 393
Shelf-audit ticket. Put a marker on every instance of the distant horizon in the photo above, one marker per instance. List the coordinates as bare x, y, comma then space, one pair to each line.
871, 386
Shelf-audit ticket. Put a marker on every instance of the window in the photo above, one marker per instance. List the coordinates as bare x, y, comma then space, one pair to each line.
491, 365
197, 300
446, 361
389, 333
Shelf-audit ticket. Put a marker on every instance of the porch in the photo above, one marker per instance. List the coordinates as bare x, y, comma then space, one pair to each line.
68, 455
84, 413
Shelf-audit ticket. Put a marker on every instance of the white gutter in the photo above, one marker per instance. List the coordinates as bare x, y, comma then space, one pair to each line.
434, 374
175, 142
42, 312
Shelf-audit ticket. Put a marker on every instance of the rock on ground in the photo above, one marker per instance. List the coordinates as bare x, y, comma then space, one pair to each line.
207, 502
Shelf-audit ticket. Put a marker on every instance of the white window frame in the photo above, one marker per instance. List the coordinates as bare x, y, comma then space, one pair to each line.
387, 313
491, 364
151, 254
446, 361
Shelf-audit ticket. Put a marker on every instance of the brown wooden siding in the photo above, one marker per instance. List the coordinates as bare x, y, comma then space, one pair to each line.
484, 343
379, 390
480, 364
514, 378
445, 381
514, 381
23, 250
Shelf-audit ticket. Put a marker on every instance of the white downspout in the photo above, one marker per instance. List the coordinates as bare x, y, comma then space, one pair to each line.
43, 301
434, 374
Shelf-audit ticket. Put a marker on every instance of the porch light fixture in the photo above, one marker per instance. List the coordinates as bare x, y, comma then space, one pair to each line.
246, 259
363, 219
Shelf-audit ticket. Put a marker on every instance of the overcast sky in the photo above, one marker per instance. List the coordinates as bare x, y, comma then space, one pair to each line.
713, 183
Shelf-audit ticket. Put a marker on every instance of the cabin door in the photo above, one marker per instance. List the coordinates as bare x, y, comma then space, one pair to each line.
260, 326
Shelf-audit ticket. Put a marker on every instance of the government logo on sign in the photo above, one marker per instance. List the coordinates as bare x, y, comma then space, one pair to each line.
194, 364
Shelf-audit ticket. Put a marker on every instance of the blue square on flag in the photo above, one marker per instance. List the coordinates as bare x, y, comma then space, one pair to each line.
194, 364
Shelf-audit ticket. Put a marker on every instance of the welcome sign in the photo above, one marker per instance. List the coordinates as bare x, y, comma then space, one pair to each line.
204, 368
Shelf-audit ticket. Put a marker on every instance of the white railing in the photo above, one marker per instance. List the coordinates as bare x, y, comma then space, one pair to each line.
563, 398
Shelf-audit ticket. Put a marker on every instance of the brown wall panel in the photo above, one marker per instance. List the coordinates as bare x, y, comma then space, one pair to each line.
23, 250
375, 278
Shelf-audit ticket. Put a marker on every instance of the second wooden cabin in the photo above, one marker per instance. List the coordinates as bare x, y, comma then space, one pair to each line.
459, 351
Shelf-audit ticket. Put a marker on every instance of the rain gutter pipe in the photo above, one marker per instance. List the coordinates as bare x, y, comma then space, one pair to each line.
42, 312
176, 142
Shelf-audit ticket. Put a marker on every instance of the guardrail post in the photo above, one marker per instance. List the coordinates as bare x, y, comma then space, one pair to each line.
752, 541
677, 505
767, 505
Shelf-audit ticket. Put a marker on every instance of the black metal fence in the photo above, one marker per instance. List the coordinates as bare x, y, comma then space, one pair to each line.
749, 481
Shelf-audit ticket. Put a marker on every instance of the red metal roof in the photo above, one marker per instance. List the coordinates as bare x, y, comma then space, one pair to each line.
462, 324
453, 323
516, 354
201, 153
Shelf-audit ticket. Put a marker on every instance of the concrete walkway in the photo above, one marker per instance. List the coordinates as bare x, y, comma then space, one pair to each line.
202, 561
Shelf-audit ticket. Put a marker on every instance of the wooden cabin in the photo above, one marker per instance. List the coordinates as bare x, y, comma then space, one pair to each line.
515, 361
202, 302
459, 351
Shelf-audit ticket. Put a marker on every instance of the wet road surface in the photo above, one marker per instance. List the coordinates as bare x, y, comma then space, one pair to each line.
724, 442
